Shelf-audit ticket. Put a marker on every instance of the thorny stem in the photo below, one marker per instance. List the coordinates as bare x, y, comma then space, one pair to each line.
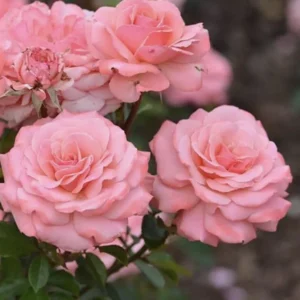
132, 115
118, 266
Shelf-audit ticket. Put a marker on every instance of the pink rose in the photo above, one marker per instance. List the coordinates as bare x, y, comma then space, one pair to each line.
52, 42
135, 225
145, 46
293, 16
79, 181
217, 77
221, 175
40, 69
6, 5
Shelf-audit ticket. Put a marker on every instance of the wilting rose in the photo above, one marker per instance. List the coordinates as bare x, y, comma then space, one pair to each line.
79, 182
217, 77
39, 69
6, 5
145, 46
221, 175
45, 40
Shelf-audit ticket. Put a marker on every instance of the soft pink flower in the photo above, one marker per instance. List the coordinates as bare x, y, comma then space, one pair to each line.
221, 175
34, 31
145, 46
135, 225
217, 77
293, 15
79, 181
6, 5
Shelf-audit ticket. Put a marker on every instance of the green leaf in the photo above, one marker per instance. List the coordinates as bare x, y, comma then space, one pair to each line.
200, 253
154, 231
112, 292
38, 273
97, 268
11, 268
164, 261
54, 99
116, 251
10, 289
153, 275
32, 295
37, 104
93, 294
65, 281
7, 140
61, 296
14, 243
91, 271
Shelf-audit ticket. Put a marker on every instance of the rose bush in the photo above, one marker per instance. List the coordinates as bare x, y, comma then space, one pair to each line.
145, 46
221, 175
74, 181
56, 43
217, 77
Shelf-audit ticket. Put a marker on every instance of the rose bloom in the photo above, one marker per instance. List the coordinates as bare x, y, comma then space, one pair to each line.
43, 48
145, 46
39, 69
221, 175
217, 77
293, 16
74, 181
6, 5
135, 225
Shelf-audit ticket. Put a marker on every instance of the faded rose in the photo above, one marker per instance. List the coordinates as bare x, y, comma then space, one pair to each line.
145, 46
221, 175
74, 181
39, 69
38, 47
217, 77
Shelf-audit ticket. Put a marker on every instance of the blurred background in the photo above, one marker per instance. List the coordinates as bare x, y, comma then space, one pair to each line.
259, 71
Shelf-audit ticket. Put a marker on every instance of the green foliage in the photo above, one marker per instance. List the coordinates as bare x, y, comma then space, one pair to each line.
13, 243
38, 274
30, 294
64, 283
154, 231
7, 140
201, 253
118, 252
12, 288
153, 274
91, 271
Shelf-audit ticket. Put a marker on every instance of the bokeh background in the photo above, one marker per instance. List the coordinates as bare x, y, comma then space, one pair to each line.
261, 40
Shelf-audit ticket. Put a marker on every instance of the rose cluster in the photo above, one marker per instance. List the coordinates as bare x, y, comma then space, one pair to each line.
73, 179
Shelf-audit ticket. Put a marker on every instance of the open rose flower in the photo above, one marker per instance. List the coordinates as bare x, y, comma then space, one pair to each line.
217, 77
145, 46
74, 181
221, 175
6, 5
135, 225
44, 48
